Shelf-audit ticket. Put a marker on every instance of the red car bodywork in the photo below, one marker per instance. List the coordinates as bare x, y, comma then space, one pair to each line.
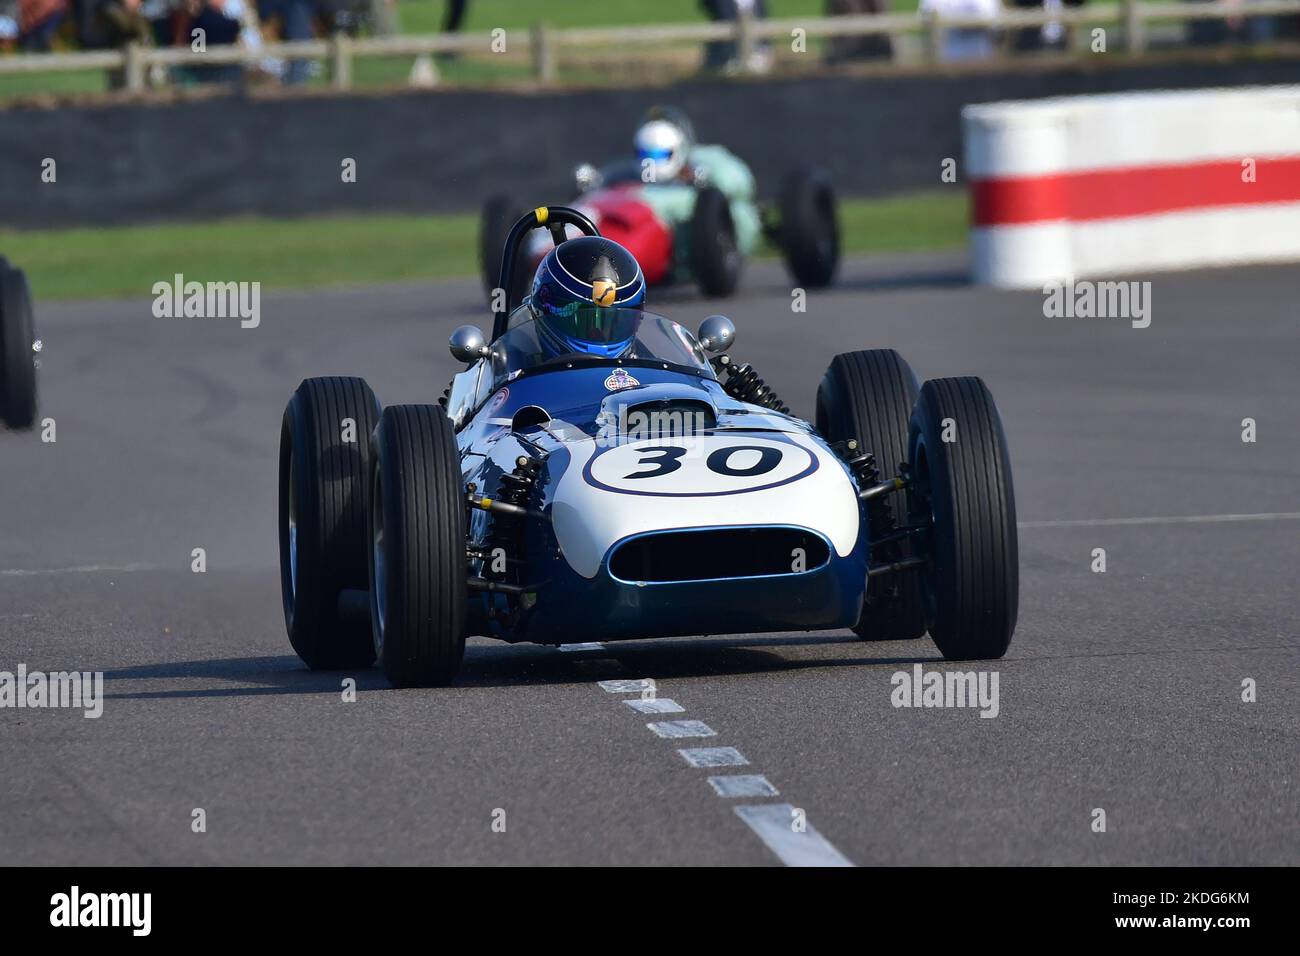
622, 215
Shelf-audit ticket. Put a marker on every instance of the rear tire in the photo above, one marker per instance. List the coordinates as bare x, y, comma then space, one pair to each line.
962, 487
810, 229
418, 572
869, 396
323, 540
713, 254
17, 359
499, 214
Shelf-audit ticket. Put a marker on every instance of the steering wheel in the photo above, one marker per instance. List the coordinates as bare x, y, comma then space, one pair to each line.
554, 218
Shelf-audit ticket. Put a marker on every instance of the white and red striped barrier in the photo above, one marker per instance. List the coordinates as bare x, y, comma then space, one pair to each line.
1122, 183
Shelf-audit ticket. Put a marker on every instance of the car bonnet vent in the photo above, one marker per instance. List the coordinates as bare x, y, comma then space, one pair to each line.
666, 418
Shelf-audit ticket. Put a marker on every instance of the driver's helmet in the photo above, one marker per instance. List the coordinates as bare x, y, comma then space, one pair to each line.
663, 142
586, 296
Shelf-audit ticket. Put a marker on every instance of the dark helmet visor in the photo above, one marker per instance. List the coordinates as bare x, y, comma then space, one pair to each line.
591, 323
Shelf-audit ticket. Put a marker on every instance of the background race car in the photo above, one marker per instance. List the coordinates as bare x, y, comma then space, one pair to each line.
699, 226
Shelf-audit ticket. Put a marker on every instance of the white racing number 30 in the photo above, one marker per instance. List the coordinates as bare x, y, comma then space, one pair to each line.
700, 466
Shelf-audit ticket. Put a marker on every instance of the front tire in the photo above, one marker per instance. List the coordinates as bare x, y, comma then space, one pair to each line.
17, 358
713, 253
869, 395
324, 466
962, 488
418, 571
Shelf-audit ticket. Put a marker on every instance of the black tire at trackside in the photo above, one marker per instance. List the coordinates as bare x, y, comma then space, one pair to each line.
713, 254
498, 215
17, 360
971, 588
810, 229
868, 395
417, 528
330, 468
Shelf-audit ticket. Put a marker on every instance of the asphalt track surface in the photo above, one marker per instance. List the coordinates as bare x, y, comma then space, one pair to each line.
1121, 691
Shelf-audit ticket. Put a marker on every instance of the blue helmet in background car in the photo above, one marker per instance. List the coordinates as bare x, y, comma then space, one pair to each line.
586, 297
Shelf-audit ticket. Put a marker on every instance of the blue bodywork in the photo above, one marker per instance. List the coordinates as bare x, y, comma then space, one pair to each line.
559, 604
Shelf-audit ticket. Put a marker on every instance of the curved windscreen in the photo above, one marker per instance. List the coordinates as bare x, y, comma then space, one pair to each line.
624, 335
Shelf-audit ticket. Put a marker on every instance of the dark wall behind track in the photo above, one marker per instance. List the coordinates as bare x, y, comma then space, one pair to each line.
446, 151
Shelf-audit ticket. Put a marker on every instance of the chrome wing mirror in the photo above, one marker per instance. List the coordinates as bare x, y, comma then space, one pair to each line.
717, 333
467, 344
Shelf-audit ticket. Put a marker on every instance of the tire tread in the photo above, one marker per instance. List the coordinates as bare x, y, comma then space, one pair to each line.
332, 551
977, 584
424, 639
868, 395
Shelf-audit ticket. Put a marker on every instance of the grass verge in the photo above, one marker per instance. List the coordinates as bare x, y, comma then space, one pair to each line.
123, 261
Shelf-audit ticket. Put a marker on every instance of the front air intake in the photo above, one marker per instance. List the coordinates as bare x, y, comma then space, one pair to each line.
718, 553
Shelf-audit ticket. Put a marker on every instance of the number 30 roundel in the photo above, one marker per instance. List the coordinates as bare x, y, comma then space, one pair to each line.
699, 466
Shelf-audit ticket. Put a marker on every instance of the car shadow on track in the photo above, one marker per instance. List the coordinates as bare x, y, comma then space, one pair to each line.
503, 665
749, 655
284, 674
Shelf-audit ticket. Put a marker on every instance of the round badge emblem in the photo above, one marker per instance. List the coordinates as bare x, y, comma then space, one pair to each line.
621, 378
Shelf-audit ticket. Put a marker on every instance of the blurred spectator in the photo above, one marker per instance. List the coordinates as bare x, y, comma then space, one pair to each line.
423, 72
295, 19
722, 54
455, 16
113, 24
877, 46
1050, 36
220, 21
38, 21
85, 21
344, 16
160, 14
119, 22
8, 24
965, 43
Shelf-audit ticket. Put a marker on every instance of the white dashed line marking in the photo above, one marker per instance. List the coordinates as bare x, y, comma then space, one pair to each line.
626, 686
773, 823
682, 728
662, 705
743, 785
589, 646
714, 757
1179, 519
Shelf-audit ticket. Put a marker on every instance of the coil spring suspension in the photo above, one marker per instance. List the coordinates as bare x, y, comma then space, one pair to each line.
507, 530
879, 514
880, 520
744, 384
516, 486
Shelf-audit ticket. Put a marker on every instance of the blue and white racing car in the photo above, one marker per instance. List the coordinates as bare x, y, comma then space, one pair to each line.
644, 491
